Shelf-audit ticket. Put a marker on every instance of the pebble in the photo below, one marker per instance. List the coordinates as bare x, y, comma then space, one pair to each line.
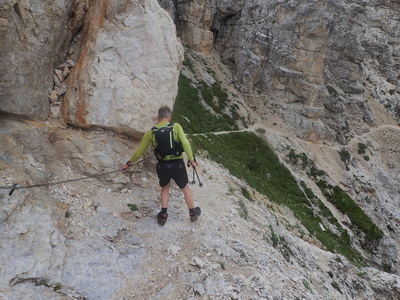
198, 262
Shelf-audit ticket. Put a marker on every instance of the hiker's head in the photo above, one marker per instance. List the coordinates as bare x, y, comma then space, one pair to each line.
164, 113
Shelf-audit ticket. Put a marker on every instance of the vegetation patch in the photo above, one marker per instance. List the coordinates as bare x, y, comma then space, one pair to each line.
243, 212
343, 202
200, 107
246, 194
331, 90
294, 158
42, 281
307, 286
280, 243
345, 157
336, 286
192, 114
361, 148
259, 166
346, 205
132, 207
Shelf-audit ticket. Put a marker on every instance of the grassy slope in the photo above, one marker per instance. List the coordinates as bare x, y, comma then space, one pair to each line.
201, 108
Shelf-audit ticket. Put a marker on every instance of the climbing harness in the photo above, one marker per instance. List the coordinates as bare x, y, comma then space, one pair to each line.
15, 186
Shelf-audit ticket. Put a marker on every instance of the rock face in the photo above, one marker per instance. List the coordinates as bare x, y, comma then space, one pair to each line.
36, 223
32, 34
193, 20
325, 71
312, 53
306, 53
128, 67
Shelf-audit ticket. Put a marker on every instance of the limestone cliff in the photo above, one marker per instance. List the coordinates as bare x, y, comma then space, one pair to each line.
316, 81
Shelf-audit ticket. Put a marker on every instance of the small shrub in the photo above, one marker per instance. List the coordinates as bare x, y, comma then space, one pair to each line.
260, 130
307, 286
292, 157
304, 160
243, 212
133, 207
322, 184
336, 286
246, 194
331, 90
274, 237
231, 189
315, 172
344, 155
361, 148
42, 281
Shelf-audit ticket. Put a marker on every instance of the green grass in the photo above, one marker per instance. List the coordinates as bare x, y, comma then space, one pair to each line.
345, 157
259, 166
346, 205
280, 243
193, 115
132, 207
341, 200
293, 157
361, 148
247, 195
42, 281
201, 108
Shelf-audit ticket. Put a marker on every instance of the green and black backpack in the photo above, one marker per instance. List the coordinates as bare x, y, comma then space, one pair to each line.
166, 143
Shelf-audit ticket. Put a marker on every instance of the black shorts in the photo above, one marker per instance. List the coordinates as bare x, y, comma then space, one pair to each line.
173, 169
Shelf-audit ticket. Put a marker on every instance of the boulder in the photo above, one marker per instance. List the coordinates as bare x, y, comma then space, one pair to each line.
128, 67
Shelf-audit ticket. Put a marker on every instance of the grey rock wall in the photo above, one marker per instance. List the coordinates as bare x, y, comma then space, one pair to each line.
318, 54
338, 56
31, 37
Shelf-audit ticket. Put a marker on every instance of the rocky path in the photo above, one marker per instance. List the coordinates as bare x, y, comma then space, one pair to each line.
91, 242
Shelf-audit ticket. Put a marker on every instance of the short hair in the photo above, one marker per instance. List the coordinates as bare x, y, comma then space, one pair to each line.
164, 112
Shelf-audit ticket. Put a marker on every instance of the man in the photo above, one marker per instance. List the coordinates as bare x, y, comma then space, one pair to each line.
170, 166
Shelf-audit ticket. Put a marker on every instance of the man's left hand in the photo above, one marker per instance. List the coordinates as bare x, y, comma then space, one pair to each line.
194, 164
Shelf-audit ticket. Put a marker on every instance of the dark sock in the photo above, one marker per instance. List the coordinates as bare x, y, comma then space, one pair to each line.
191, 211
164, 210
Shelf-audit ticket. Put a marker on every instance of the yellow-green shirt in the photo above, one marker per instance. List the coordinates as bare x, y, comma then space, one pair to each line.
148, 139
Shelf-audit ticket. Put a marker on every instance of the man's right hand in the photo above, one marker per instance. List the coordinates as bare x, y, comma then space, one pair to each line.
126, 167
194, 164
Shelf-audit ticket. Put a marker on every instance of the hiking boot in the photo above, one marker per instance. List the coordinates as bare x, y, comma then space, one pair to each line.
194, 216
162, 218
